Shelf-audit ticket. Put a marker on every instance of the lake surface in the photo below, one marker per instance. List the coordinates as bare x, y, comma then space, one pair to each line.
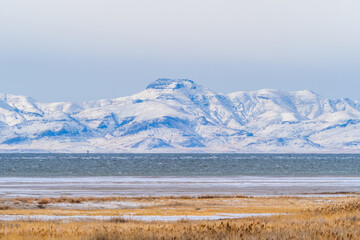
178, 165
177, 174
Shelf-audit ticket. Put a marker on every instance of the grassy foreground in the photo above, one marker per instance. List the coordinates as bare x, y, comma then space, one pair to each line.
332, 221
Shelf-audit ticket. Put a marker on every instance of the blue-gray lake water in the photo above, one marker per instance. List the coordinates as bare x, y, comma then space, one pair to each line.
178, 165
177, 174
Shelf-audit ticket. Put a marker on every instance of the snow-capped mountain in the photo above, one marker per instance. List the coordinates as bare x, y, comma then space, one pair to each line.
181, 116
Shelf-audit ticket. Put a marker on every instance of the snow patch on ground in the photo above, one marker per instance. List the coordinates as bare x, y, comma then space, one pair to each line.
99, 205
130, 217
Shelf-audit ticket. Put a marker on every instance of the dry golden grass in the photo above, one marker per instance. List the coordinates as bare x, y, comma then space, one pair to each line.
339, 219
339, 226
343, 207
173, 206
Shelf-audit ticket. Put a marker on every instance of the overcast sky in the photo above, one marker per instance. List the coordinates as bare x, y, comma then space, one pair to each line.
73, 50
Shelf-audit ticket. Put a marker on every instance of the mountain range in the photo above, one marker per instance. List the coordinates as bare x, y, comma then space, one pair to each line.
178, 115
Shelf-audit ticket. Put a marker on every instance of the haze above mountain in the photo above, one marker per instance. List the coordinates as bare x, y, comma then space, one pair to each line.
181, 116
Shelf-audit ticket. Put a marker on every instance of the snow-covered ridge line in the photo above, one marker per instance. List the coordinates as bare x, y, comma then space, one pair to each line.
182, 116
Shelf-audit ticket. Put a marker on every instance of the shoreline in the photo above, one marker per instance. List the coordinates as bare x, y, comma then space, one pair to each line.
11, 187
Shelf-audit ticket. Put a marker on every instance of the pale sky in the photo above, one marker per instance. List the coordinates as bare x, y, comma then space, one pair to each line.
74, 50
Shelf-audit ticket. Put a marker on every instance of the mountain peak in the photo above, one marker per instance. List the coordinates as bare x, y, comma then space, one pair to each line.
178, 115
167, 83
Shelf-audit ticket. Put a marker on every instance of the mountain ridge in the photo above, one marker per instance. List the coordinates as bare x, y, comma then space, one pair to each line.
178, 115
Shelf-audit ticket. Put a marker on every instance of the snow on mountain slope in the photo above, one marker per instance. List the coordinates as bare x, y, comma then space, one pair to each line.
181, 116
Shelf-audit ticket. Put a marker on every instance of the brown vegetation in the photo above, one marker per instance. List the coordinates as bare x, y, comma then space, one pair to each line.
5, 207
44, 201
64, 199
